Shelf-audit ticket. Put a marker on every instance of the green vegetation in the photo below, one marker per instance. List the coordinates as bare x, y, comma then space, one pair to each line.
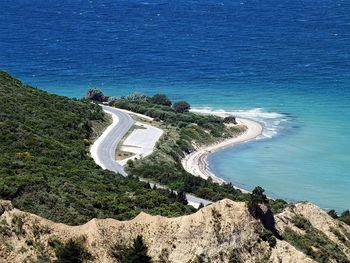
73, 251
181, 129
45, 168
181, 107
257, 198
301, 222
277, 205
313, 243
136, 253
210, 127
160, 99
230, 119
345, 217
95, 94
268, 236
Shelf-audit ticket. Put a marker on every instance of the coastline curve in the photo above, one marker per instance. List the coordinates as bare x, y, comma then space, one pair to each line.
196, 162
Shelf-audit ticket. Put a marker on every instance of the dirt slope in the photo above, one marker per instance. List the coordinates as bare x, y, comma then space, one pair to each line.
212, 234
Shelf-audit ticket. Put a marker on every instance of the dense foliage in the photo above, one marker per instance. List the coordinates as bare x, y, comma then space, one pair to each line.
313, 242
344, 216
181, 130
144, 105
45, 168
73, 251
181, 106
95, 94
137, 252
160, 99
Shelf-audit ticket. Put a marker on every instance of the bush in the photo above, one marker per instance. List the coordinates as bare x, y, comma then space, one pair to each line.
137, 253
95, 94
278, 205
230, 119
160, 99
181, 106
301, 222
257, 198
71, 252
316, 245
333, 214
345, 217
267, 236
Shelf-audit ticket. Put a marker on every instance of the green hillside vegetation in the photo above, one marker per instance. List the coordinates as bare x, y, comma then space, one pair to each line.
45, 168
181, 130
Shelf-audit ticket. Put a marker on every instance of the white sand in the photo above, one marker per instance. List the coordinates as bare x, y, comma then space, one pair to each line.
196, 162
141, 142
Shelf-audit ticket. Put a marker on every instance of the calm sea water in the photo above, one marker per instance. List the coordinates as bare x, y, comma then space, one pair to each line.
284, 63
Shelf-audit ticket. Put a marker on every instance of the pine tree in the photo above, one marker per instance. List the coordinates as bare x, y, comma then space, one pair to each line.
137, 253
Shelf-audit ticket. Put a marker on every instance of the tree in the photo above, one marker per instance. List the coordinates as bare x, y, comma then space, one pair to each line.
160, 99
95, 94
257, 197
333, 214
230, 119
136, 96
181, 197
137, 253
345, 217
71, 252
181, 106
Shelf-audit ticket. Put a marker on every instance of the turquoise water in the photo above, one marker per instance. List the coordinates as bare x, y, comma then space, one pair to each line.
284, 63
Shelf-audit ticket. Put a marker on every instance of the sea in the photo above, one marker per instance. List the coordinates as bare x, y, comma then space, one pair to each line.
284, 63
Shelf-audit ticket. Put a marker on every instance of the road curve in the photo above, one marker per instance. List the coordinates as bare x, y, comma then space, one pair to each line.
104, 149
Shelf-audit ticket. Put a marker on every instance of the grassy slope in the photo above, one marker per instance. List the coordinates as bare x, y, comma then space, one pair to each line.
44, 167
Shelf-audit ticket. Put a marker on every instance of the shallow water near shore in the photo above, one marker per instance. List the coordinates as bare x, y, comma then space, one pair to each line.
285, 64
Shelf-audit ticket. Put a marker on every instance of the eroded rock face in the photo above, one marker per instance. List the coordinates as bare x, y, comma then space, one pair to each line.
215, 233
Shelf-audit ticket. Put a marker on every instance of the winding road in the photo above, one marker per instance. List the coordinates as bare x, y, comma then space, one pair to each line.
103, 150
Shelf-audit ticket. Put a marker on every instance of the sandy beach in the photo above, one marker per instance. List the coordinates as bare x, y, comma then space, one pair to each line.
196, 162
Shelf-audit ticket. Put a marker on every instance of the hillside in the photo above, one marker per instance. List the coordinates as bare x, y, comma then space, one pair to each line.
48, 176
222, 232
45, 168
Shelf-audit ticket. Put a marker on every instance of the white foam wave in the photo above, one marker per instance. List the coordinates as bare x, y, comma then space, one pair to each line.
272, 121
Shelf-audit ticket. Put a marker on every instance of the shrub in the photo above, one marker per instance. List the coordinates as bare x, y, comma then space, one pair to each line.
230, 119
267, 236
137, 252
18, 223
345, 217
278, 205
333, 214
95, 94
257, 197
301, 222
118, 251
71, 252
160, 99
316, 245
181, 106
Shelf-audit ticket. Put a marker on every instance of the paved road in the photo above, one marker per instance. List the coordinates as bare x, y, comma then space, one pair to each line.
107, 148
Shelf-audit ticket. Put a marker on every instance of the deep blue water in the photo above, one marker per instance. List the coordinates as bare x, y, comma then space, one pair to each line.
285, 63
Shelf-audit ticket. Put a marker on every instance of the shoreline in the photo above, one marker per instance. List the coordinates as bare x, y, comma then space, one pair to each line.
196, 162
